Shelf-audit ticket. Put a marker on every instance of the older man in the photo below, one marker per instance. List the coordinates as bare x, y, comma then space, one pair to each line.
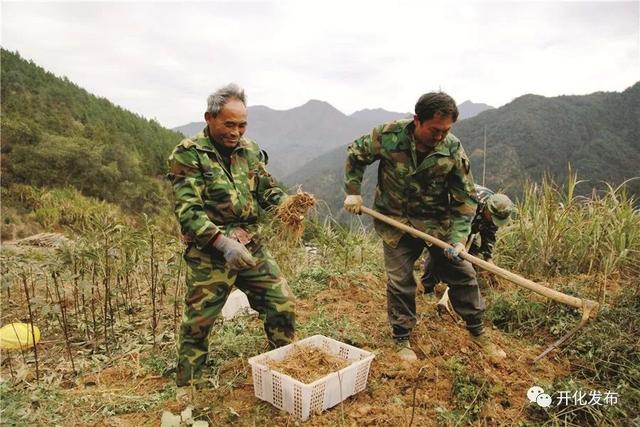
424, 180
220, 184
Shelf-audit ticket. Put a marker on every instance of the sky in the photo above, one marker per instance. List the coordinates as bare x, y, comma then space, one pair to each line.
162, 59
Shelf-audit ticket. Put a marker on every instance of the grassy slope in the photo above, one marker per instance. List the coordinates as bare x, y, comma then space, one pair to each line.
341, 292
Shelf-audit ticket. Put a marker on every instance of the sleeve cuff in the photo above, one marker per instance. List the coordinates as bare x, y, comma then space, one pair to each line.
205, 239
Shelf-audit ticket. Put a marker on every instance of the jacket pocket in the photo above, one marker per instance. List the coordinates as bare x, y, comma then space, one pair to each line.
217, 185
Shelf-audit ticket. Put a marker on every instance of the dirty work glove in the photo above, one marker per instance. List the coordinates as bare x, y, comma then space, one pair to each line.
452, 253
353, 203
236, 255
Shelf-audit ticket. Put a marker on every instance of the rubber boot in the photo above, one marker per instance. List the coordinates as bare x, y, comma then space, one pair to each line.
491, 350
403, 348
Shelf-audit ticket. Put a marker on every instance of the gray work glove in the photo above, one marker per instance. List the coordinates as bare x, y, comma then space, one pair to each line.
453, 252
353, 203
235, 253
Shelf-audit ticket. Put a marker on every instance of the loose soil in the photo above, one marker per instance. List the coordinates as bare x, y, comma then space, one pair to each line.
120, 391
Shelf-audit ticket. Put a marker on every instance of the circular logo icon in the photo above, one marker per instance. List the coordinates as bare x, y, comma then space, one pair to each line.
543, 400
534, 392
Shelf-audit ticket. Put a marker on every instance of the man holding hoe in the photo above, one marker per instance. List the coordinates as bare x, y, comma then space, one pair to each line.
424, 181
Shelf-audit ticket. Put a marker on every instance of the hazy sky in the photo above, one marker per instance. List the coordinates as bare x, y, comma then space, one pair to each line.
161, 60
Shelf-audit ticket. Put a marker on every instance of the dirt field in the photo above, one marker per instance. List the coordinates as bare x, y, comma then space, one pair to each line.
451, 383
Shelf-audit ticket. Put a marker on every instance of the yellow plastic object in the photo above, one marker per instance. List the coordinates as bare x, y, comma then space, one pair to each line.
18, 336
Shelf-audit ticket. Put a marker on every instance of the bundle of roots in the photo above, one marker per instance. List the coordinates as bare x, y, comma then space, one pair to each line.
290, 215
307, 363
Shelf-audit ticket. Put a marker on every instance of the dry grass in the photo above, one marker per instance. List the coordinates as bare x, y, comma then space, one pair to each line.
122, 335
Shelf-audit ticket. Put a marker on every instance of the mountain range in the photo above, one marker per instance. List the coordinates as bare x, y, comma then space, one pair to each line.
598, 135
57, 135
299, 135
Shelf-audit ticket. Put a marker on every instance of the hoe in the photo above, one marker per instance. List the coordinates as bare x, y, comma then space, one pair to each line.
588, 307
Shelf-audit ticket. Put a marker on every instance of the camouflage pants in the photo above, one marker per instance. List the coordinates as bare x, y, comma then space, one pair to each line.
464, 292
209, 283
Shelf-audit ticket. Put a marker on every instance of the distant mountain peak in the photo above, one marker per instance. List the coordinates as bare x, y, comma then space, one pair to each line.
316, 105
470, 109
310, 104
469, 103
371, 110
317, 102
530, 96
374, 116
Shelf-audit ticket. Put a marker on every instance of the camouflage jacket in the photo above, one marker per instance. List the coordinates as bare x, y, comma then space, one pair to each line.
486, 228
437, 196
208, 198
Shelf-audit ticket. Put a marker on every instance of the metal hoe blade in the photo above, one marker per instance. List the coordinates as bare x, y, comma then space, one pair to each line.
588, 307
444, 307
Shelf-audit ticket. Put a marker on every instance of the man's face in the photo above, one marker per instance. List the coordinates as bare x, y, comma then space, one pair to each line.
228, 126
430, 132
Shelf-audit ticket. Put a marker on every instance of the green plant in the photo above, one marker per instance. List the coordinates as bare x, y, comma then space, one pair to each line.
341, 328
516, 312
311, 282
156, 363
242, 336
469, 391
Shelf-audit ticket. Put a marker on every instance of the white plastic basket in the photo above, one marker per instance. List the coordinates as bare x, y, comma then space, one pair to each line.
302, 399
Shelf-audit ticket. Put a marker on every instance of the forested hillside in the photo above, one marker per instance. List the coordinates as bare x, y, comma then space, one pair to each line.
56, 134
597, 134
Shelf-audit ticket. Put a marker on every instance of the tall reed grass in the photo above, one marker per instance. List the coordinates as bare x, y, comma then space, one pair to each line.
557, 232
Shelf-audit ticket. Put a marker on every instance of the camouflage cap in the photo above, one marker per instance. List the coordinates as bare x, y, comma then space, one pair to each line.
501, 208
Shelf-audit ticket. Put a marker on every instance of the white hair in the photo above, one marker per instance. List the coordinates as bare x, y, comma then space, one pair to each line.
220, 97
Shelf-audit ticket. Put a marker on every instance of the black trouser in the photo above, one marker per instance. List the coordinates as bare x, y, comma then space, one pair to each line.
401, 287
430, 280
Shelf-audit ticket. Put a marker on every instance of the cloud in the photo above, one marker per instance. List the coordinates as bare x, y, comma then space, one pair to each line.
162, 59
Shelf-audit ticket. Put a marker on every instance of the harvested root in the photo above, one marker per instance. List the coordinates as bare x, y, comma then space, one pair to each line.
290, 215
308, 363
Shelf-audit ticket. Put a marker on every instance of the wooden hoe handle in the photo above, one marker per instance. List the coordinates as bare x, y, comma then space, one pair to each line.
580, 303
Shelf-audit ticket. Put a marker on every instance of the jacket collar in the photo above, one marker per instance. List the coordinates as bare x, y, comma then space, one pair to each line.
204, 142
